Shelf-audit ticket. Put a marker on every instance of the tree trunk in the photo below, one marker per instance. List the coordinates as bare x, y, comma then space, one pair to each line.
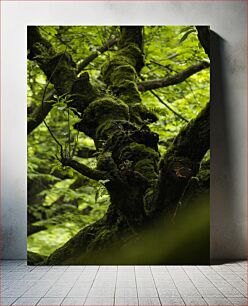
128, 149
128, 160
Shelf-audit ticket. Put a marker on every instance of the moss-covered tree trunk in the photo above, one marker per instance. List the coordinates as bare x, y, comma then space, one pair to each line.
128, 161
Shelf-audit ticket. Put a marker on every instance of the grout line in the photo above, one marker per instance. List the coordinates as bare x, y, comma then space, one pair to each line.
92, 284
115, 284
155, 286
216, 272
228, 282
176, 286
192, 282
236, 298
73, 283
136, 284
210, 282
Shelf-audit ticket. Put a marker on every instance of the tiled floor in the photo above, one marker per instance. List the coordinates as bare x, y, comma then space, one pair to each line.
123, 285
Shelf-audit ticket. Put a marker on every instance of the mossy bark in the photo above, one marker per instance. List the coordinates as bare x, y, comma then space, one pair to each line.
128, 152
128, 149
182, 162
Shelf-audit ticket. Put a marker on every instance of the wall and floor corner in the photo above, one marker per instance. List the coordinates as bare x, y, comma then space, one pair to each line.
229, 89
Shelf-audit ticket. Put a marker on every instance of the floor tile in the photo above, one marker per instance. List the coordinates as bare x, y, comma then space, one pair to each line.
238, 301
99, 301
148, 283
125, 269
126, 292
149, 301
5, 301
194, 301
217, 301
102, 292
38, 290
79, 291
147, 292
166, 301
27, 301
230, 292
58, 291
209, 292
120, 301
50, 301
164, 292
73, 301
124, 285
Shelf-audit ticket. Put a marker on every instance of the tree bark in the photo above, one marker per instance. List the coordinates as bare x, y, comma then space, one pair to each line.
128, 159
40, 113
204, 38
174, 79
182, 162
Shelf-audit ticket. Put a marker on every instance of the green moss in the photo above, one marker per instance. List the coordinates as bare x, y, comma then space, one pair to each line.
63, 78
109, 66
147, 167
106, 129
120, 75
35, 259
43, 51
125, 71
127, 91
102, 239
141, 113
126, 58
105, 109
60, 69
61, 58
149, 205
136, 152
180, 168
204, 177
132, 51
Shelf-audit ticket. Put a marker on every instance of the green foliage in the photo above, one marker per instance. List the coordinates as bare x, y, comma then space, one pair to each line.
59, 198
169, 50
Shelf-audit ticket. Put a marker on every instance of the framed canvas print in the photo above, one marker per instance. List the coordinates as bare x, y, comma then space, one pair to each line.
118, 144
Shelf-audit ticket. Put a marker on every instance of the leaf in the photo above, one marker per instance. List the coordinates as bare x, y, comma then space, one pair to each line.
184, 29
184, 37
60, 108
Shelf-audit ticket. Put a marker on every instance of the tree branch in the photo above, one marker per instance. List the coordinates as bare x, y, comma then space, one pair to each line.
182, 161
96, 175
166, 105
133, 34
204, 38
40, 112
60, 70
86, 152
94, 55
174, 79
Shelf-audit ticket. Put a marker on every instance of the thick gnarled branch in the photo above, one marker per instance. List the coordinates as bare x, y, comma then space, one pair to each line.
174, 79
85, 152
182, 161
93, 174
40, 112
60, 70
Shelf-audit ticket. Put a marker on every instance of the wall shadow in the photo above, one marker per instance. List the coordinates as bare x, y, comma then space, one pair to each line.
223, 226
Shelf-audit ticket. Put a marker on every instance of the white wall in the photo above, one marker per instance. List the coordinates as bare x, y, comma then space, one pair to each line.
228, 123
